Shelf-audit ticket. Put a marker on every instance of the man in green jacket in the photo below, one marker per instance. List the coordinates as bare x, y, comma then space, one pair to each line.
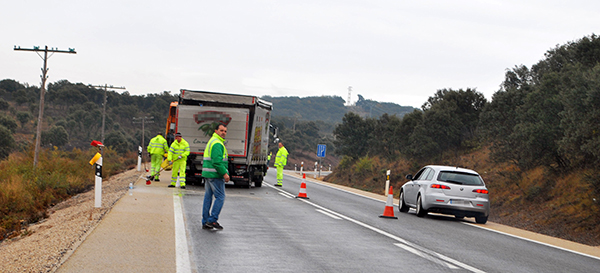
178, 153
157, 148
280, 162
215, 171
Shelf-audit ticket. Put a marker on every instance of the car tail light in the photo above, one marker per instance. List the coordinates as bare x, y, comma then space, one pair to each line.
438, 186
482, 191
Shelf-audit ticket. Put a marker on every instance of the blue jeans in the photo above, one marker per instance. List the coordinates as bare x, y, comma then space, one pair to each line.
216, 187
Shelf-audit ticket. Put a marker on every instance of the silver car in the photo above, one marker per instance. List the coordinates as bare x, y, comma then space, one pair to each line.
447, 190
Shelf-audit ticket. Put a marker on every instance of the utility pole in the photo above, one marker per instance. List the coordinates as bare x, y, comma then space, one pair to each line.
106, 86
37, 49
349, 95
143, 120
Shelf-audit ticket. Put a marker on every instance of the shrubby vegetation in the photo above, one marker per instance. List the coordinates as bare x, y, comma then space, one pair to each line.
543, 116
73, 115
27, 193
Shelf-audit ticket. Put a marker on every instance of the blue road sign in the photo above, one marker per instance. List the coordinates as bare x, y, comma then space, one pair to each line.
321, 150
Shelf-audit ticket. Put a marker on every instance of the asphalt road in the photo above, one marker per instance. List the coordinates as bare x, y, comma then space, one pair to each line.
268, 230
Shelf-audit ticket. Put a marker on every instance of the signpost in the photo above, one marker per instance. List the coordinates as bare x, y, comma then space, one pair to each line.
321, 151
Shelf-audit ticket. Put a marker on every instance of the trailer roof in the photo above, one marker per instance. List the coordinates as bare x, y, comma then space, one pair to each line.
223, 97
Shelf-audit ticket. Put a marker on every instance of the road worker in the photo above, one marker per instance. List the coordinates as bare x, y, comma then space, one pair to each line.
178, 153
215, 167
280, 162
157, 148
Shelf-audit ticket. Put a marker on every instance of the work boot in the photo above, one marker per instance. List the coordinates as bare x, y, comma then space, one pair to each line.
156, 179
171, 186
207, 226
278, 185
183, 187
216, 225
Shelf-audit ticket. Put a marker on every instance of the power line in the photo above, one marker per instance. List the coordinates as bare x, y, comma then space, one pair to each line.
37, 49
104, 104
143, 120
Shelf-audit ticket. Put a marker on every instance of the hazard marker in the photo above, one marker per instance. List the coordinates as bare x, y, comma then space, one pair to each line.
302, 193
389, 206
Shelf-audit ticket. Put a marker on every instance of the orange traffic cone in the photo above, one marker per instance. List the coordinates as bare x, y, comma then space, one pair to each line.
389, 206
302, 193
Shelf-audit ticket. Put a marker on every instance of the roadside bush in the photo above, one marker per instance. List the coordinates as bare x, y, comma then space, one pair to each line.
7, 142
8, 122
27, 193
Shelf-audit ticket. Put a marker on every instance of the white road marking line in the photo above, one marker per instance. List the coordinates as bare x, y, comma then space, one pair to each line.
394, 237
182, 255
329, 214
346, 191
533, 241
478, 226
425, 256
287, 195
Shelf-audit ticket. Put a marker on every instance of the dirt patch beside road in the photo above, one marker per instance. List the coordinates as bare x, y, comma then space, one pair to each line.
44, 246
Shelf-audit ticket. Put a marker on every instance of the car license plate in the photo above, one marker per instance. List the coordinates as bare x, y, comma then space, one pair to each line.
457, 202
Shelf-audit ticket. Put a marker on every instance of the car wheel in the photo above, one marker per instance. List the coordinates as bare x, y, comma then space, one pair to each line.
402, 207
420, 211
480, 219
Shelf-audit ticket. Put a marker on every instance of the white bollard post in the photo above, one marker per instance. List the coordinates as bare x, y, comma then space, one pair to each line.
302, 167
387, 183
139, 169
316, 164
98, 185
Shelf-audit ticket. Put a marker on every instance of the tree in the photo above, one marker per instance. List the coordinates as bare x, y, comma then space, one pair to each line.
24, 117
387, 137
352, 136
117, 141
449, 122
8, 122
7, 142
580, 118
4, 104
56, 136
10, 85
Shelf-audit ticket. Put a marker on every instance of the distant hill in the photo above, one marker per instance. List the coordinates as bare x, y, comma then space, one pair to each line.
331, 109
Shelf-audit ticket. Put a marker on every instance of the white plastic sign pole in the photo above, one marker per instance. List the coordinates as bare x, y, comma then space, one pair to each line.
387, 183
98, 186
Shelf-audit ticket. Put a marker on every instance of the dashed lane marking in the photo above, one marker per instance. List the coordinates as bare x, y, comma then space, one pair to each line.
403, 243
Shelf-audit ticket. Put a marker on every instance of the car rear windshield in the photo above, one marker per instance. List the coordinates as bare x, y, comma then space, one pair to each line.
460, 178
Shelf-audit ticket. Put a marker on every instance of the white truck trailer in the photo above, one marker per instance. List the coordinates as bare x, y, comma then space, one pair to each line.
247, 118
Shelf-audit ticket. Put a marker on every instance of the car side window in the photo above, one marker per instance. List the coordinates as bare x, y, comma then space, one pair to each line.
430, 174
419, 174
425, 174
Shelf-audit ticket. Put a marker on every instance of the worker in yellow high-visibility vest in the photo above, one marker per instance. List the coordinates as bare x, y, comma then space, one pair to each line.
280, 162
178, 153
157, 148
215, 170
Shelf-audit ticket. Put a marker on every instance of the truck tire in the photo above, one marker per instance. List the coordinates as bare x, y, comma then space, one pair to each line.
258, 181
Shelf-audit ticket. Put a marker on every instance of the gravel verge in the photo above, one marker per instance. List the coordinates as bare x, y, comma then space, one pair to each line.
45, 245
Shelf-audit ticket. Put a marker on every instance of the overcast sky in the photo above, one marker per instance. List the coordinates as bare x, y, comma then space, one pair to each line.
387, 50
